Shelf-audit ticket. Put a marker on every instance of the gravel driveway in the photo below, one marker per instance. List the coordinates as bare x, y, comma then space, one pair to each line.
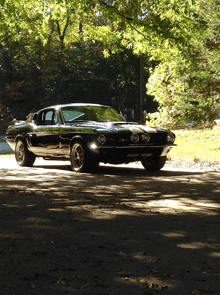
118, 231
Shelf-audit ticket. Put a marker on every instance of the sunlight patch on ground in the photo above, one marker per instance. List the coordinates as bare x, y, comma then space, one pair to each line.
153, 282
99, 212
56, 209
174, 234
11, 205
215, 254
177, 205
198, 245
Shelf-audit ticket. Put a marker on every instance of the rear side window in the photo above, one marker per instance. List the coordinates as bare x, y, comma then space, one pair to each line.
49, 117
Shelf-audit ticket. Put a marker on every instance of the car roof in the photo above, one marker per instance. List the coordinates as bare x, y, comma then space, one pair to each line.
59, 106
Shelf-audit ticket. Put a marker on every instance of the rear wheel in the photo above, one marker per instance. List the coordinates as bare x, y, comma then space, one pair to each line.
22, 155
154, 164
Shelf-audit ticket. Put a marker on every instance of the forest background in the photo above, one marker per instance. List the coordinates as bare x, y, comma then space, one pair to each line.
158, 57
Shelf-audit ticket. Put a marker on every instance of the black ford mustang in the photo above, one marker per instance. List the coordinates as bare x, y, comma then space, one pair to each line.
88, 134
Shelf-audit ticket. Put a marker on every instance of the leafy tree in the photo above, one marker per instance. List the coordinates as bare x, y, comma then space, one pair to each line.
179, 39
192, 81
183, 36
52, 55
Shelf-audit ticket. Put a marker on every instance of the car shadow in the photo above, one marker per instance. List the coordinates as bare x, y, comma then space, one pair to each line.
123, 170
167, 171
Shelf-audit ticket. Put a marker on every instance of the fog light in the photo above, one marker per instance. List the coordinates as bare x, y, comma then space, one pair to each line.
101, 139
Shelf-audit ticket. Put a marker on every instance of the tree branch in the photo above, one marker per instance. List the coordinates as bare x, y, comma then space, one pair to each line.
127, 19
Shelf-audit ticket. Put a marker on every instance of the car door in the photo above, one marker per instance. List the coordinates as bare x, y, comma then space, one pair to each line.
45, 141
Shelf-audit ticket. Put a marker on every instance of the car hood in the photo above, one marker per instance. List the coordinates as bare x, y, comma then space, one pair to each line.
116, 127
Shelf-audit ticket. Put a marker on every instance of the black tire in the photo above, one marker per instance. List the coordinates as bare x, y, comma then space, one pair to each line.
154, 164
80, 158
22, 155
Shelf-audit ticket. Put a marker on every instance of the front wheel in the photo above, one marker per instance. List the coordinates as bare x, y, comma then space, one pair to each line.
22, 155
79, 157
154, 164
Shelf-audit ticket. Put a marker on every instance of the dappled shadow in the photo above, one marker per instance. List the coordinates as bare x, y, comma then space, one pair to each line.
130, 189
118, 231
121, 170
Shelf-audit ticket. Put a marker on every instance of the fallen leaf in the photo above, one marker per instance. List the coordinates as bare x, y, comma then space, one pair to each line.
195, 292
61, 282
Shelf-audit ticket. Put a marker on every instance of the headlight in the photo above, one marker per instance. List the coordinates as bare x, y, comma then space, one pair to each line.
101, 139
170, 138
145, 137
134, 138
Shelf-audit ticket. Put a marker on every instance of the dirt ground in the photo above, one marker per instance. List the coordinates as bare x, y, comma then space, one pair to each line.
117, 231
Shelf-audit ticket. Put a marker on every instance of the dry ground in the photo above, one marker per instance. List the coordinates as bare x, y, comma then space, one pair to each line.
117, 231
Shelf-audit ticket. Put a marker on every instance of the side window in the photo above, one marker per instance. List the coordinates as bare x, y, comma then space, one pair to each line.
48, 119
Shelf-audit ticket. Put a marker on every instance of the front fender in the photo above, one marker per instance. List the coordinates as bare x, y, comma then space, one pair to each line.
77, 137
22, 137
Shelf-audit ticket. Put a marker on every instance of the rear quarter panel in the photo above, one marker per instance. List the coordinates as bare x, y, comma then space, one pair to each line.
17, 131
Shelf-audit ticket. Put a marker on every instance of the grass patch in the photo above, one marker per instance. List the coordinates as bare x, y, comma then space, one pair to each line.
197, 145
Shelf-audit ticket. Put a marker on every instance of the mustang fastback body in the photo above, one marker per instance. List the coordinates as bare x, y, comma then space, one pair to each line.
87, 134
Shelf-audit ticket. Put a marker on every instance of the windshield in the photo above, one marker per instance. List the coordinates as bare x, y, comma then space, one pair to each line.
90, 113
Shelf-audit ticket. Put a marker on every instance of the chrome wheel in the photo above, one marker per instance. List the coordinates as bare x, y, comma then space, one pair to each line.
22, 155
20, 152
77, 157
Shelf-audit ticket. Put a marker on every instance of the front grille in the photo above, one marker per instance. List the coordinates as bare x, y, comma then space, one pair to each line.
124, 139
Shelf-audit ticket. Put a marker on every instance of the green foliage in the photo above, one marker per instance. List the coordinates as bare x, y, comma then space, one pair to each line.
192, 90
48, 45
57, 47
165, 85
